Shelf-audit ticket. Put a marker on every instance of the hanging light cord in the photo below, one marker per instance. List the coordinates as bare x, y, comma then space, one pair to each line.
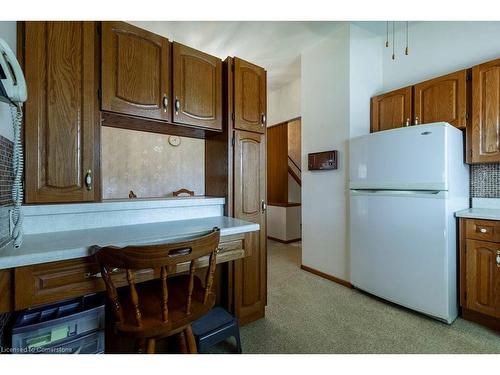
393, 41
407, 44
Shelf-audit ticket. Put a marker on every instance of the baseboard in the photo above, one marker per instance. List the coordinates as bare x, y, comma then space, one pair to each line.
284, 241
482, 319
327, 276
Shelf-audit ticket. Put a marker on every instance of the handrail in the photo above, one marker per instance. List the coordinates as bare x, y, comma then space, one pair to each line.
294, 176
296, 166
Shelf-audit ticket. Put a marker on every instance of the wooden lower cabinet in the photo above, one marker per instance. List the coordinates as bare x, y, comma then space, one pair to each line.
480, 272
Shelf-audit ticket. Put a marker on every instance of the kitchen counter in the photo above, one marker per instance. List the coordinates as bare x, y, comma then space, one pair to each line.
55, 246
482, 208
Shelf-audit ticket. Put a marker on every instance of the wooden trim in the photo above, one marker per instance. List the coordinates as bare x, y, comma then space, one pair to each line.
482, 319
294, 176
327, 276
285, 122
129, 122
284, 241
284, 204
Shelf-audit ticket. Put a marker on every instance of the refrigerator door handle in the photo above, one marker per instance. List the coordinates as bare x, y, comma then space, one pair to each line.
400, 193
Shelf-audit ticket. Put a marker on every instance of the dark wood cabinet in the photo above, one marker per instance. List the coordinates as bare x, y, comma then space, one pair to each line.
197, 88
61, 113
249, 96
479, 265
442, 99
250, 273
135, 67
391, 110
484, 135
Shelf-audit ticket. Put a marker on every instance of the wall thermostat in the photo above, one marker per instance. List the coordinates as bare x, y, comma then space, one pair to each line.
320, 161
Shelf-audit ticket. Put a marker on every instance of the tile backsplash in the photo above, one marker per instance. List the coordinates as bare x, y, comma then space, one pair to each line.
485, 180
6, 179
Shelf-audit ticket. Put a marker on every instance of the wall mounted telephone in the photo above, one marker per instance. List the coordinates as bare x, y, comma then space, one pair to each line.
13, 91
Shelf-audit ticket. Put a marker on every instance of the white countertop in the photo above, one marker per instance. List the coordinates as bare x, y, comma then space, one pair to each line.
482, 208
55, 246
480, 213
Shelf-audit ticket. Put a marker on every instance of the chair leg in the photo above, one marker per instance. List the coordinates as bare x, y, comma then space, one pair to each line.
151, 345
238, 340
181, 338
190, 340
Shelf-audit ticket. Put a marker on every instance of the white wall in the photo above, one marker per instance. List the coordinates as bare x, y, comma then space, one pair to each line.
284, 103
325, 126
437, 48
7, 33
339, 76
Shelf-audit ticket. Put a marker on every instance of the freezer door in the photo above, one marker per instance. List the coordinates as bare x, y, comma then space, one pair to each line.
399, 250
412, 158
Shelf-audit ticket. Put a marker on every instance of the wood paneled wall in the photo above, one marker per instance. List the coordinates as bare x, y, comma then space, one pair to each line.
277, 164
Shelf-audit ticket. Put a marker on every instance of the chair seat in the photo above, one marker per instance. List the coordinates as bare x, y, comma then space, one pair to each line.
150, 307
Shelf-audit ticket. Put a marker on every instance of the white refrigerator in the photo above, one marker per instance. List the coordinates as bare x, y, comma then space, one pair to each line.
405, 185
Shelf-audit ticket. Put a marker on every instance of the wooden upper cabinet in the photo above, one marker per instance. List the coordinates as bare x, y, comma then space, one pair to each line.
391, 110
249, 96
484, 138
61, 123
135, 72
197, 83
442, 99
483, 277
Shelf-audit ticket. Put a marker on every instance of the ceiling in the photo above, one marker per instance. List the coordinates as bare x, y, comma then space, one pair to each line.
276, 45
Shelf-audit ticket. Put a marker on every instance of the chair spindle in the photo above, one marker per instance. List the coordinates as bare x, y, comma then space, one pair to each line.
164, 306
210, 276
190, 287
134, 297
112, 293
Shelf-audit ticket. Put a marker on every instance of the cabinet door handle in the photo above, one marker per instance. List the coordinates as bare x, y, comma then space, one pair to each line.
165, 103
263, 119
498, 258
416, 120
97, 275
177, 106
263, 205
88, 179
407, 122
483, 230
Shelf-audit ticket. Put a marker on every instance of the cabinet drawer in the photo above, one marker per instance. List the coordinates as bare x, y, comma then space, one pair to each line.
49, 282
485, 230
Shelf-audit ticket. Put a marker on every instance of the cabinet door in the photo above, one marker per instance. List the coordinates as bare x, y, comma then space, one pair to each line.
250, 277
249, 96
135, 71
485, 132
483, 277
61, 124
197, 88
442, 99
391, 110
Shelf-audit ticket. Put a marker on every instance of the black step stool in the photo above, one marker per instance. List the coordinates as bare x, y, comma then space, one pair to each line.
214, 327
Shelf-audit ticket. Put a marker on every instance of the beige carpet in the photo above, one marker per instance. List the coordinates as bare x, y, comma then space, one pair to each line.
308, 314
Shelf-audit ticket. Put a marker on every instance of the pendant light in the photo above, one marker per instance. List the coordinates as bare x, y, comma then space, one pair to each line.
407, 38
393, 40
407, 51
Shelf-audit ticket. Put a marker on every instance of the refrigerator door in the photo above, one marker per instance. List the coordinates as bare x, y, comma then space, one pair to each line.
400, 250
412, 158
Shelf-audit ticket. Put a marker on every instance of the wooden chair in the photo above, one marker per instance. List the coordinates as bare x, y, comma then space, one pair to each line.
166, 306
183, 191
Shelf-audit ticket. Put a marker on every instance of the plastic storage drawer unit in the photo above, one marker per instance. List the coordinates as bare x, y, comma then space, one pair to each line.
54, 328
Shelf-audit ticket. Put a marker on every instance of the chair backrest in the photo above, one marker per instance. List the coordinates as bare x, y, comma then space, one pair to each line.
162, 256
183, 191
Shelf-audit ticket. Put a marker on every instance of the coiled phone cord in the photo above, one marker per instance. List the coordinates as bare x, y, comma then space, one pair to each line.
18, 163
